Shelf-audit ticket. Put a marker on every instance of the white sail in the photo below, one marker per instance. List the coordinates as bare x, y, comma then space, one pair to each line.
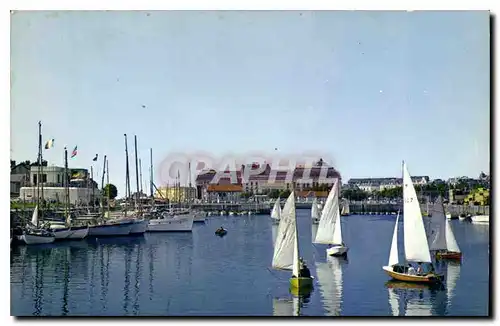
296, 263
282, 307
34, 217
283, 257
326, 226
314, 209
437, 235
393, 255
274, 231
276, 213
393, 302
337, 231
451, 242
330, 282
415, 239
452, 275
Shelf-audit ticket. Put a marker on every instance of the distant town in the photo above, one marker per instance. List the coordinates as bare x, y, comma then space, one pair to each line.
84, 190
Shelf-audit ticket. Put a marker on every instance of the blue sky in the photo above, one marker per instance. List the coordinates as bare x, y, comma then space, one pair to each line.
368, 88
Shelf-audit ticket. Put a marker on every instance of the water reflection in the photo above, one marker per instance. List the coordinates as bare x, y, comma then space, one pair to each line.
290, 306
414, 299
452, 276
329, 277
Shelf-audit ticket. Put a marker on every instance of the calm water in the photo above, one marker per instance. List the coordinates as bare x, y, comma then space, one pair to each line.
200, 274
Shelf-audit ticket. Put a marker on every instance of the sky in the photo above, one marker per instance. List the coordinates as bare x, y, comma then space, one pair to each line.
368, 89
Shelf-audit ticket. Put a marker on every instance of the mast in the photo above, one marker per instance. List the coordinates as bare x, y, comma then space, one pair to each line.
189, 188
66, 187
92, 178
38, 168
107, 180
102, 183
127, 177
140, 174
137, 203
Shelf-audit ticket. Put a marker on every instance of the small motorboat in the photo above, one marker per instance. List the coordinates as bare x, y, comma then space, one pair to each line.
221, 232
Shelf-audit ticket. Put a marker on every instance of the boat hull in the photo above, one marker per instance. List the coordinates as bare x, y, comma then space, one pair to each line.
33, 239
109, 230
480, 219
337, 251
221, 233
139, 227
429, 279
449, 255
176, 224
301, 282
73, 233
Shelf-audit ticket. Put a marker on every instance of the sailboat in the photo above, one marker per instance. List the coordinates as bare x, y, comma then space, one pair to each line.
33, 233
441, 238
330, 283
315, 214
345, 208
416, 247
65, 231
286, 248
276, 212
330, 228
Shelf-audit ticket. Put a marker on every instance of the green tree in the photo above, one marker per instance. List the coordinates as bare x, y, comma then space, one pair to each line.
274, 193
246, 195
113, 192
284, 193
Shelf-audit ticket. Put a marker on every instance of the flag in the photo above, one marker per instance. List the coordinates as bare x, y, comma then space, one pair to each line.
73, 154
49, 144
95, 158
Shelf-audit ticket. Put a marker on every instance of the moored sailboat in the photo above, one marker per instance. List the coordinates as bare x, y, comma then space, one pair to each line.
286, 250
276, 212
442, 241
330, 227
416, 247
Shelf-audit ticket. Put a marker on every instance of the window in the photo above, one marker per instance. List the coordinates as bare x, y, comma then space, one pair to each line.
58, 178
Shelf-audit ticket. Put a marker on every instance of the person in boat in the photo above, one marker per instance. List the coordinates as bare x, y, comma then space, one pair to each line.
304, 271
420, 271
411, 270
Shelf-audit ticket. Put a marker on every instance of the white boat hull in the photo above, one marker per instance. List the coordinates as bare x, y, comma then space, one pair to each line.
480, 219
139, 227
337, 250
76, 233
175, 224
32, 239
107, 230
448, 216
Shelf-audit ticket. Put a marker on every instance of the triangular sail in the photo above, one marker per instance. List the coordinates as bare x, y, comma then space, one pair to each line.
326, 226
437, 237
393, 255
296, 263
337, 231
451, 242
283, 257
276, 213
314, 209
415, 239
34, 217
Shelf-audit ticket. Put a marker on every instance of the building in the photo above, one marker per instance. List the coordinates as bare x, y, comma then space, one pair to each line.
19, 177
175, 194
82, 189
266, 180
379, 184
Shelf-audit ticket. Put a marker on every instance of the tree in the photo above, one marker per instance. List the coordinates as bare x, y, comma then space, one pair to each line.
274, 193
246, 195
284, 193
113, 192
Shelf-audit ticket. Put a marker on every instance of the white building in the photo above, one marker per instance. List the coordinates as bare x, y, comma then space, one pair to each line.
52, 180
